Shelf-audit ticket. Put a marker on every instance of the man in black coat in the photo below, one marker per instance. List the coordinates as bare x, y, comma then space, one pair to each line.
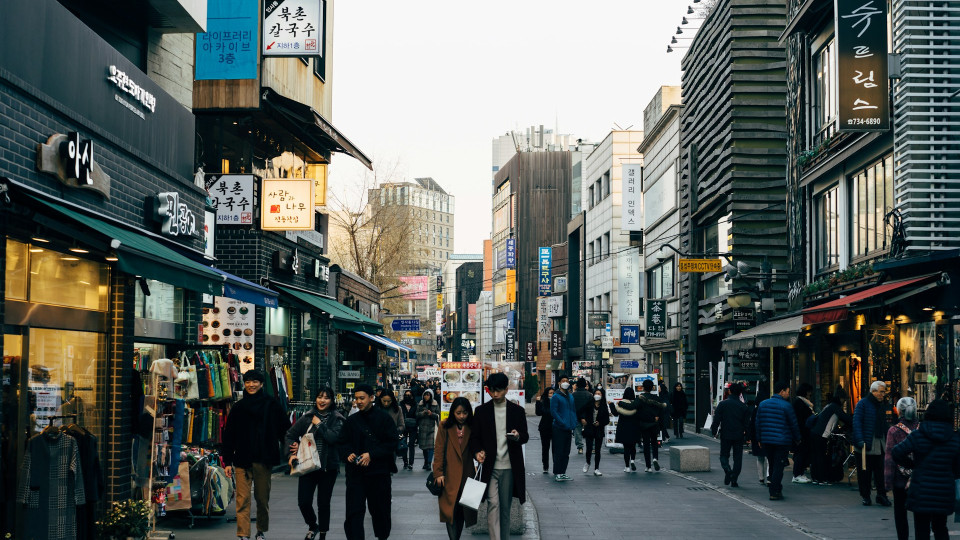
730, 420
253, 442
496, 441
368, 447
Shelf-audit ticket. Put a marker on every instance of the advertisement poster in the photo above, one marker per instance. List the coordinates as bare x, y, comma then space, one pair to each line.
228, 49
232, 323
514, 372
414, 287
459, 379
293, 28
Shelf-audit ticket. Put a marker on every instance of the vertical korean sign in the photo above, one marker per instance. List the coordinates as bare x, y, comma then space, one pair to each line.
656, 319
546, 277
511, 253
293, 27
863, 93
510, 345
630, 181
628, 285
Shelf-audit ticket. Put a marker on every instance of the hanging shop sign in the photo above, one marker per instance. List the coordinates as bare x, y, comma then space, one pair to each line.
632, 200
628, 285
597, 321
530, 352
319, 270
554, 306
744, 318
510, 345
546, 262
699, 265
232, 323
286, 204
511, 286
862, 91
228, 49
293, 27
174, 216
232, 196
656, 318
319, 173
560, 284
287, 261
629, 334
543, 320
500, 293
510, 255
439, 283
71, 159
556, 345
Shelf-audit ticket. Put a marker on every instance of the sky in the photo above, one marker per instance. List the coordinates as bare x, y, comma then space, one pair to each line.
423, 87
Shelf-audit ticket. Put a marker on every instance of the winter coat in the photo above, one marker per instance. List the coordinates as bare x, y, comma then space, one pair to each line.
869, 421
755, 448
649, 409
628, 425
564, 411
581, 398
896, 435
329, 431
51, 486
428, 416
824, 420
484, 437
678, 401
777, 423
802, 412
591, 413
454, 453
731, 419
546, 419
255, 431
936, 464
397, 414
370, 432
409, 418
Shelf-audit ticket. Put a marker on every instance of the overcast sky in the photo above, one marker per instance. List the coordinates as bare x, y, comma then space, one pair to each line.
428, 84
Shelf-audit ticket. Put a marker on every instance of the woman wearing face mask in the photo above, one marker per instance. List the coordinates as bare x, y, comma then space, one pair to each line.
546, 426
452, 465
428, 416
594, 417
326, 424
409, 408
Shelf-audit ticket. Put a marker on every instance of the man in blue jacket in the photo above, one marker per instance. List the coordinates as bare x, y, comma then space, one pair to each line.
564, 412
777, 432
869, 437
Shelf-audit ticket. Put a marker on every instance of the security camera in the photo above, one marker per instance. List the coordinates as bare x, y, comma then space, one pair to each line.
661, 259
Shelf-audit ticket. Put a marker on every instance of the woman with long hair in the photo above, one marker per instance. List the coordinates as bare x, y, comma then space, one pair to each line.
409, 408
594, 417
325, 423
452, 465
546, 425
428, 416
388, 402
678, 409
628, 430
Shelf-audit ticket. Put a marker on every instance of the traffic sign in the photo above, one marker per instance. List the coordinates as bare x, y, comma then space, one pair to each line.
621, 350
629, 364
405, 325
700, 265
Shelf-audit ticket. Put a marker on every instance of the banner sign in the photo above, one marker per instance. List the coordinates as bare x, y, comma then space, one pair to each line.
531, 352
543, 320
862, 91
699, 265
228, 49
546, 278
628, 285
232, 196
511, 253
556, 345
554, 306
414, 287
511, 286
293, 27
656, 319
629, 334
510, 345
632, 201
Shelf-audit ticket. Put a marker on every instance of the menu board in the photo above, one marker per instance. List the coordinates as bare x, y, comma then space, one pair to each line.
231, 322
459, 379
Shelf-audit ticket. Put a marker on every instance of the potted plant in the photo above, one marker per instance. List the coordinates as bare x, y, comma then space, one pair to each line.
125, 519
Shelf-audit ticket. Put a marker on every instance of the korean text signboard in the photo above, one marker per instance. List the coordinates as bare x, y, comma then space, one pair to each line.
630, 179
531, 352
228, 49
863, 94
287, 204
405, 325
543, 320
510, 345
656, 319
511, 253
629, 334
546, 277
556, 345
628, 285
597, 321
293, 27
232, 196
414, 287
459, 379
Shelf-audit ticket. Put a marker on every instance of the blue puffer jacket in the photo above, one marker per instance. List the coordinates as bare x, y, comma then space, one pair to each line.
776, 422
564, 411
936, 463
869, 420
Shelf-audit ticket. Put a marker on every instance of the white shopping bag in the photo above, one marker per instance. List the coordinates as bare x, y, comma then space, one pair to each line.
308, 459
473, 491
708, 422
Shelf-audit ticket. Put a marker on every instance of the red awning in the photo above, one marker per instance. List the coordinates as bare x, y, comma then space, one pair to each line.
837, 310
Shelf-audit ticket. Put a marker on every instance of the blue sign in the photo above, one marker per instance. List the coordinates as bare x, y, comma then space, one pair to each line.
511, 319
405, 325
511, 253
546, 272
608, 328
621, 350
230, 47
630, 334
501, 258
629, 364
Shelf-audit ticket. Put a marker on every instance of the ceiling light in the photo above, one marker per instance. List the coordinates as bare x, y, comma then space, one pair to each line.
67, 258
111, 256
36, 250
78, 249
39, 238
928, 308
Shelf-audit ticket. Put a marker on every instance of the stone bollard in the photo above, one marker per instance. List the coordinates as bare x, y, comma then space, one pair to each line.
689, 458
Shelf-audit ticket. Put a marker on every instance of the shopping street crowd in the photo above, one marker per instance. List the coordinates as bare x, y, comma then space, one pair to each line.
892, 451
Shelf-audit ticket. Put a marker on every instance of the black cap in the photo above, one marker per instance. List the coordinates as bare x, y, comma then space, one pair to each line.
254, 375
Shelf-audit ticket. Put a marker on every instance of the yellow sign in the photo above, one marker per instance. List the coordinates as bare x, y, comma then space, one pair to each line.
286, 204
500, 293
511, 286
318, 171
439, 300
350, 385
700, 265
414, 334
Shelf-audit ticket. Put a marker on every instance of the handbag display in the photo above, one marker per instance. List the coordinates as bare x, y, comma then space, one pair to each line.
473, 491
187, 379
308, 458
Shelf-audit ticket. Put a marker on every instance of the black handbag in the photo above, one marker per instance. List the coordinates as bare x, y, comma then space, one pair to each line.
432, 486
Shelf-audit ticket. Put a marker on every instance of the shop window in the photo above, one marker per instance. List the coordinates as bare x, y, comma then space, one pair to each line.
277, 323
17, 264
165, 302
55, 278
62, 378
920, 372
872, 199
825, 90
826, 220
660, 280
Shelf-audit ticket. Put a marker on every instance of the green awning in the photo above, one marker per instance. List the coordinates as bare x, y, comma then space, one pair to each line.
343, 318
140, 255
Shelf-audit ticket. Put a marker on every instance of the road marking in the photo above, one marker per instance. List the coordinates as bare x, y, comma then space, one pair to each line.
752, 504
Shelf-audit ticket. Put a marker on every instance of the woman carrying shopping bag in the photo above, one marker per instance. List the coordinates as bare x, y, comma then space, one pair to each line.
325, 423
452, 465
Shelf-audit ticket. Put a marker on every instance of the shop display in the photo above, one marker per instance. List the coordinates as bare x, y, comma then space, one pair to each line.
459, 379
231, 323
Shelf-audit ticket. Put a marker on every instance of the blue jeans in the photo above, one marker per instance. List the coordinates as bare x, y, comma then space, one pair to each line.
427, 458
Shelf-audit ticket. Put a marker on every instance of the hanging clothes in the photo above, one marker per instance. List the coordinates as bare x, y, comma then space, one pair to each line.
51, 486
94, 486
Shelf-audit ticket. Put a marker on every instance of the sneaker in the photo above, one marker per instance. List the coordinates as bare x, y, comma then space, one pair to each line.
546, 471
580, 450
627, 469
763, 482
656, 465
633, 465
865, 501
648, 469
260, 536
586, 468
558, 478
596, 472
801, 479
311, 535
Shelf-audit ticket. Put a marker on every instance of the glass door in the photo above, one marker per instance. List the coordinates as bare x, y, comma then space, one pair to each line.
12, 436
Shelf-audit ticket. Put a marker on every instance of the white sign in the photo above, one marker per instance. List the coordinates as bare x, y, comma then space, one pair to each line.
293, 27
286, 204
555, 306
431, 373
606, 342
630, 217
628, 286
543, 320
460, 379
560, 284
232, 196
232, 323
660, 196
349, 373
122, 81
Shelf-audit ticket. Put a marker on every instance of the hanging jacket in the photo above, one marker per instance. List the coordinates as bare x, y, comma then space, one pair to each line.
936, 464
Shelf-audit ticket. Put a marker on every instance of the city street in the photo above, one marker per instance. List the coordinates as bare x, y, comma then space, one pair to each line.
616, 505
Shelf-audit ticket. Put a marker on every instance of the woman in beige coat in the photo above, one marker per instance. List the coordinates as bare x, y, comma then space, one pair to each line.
452, 465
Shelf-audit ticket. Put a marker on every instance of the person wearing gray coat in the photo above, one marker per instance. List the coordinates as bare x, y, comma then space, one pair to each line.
428, 416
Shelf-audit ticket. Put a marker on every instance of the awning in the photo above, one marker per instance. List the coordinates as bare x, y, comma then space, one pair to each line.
779, 333
142, 256
810, 12
247, 291
314, 127
837, 310
343, 318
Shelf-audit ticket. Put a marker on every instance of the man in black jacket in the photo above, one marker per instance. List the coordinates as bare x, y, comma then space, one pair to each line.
369, 444
581, 398
252, 444
730, 420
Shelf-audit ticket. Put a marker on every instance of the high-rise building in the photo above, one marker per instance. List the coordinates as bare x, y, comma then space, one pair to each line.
531, 139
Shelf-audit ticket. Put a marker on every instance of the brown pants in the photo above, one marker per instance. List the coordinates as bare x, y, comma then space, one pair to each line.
259, 475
